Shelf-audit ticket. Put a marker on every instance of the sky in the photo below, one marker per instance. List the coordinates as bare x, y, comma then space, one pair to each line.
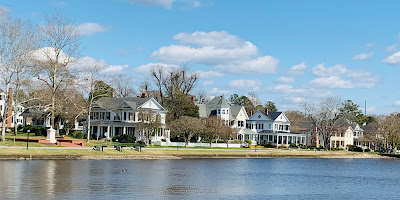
288, 52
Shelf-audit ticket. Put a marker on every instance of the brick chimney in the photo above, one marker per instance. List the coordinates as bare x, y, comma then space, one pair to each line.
9, 108
144, 95
266, 111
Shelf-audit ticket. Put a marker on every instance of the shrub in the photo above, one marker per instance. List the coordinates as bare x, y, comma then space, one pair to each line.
248, 141
163, 140
367, 150
236, 141
218, 141
124, 138
354, 148
39, 131
77, 134
269, 145
293, 145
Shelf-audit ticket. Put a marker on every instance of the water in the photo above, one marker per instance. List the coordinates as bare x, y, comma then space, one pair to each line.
201, 179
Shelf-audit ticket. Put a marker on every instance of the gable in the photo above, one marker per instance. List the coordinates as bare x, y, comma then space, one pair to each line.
151, 104
259, 116
282, 118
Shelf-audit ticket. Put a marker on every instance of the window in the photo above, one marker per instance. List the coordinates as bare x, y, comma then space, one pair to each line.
227, 111
269, 126
219, 111
107, 115
124, 115
262, 126
223, 111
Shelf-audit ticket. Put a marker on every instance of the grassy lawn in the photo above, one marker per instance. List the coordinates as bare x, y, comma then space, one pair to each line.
66, 152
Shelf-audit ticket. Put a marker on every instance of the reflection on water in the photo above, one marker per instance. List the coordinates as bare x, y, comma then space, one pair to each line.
201, 179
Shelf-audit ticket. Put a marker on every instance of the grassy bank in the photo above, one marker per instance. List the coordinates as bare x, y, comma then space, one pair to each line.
61, 153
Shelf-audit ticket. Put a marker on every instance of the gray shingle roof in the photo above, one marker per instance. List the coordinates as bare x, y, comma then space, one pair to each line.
111, 103
273, 115
210, 107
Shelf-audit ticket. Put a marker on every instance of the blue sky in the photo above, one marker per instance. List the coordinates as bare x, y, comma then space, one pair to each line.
285, 51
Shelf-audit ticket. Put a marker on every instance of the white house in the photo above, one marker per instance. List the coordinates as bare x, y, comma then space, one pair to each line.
349, 133
274, 128
12, 115
232, 115
117, 116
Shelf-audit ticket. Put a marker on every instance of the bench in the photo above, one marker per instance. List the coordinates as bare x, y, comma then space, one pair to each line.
99, 148
138, 148
119, 147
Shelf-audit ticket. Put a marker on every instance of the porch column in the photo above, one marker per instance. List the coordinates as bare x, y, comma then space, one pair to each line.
124, 131
108, 132
287, 140
277, 140
98, 132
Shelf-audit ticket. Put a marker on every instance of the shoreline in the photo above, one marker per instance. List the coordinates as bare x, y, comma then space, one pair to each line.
174, 155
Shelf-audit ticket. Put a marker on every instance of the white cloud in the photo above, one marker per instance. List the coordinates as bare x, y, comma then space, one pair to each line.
228, 53
332, 82
298, 69
146, 68
208, 83
392, 48
335, 70
114, 68
250, 85
209, 74
47, 54
397, 102
163, 3
285, 79
394, 59
90, 28
363, 56
217, 39
219, 92
297, 99
260, 65
208, 55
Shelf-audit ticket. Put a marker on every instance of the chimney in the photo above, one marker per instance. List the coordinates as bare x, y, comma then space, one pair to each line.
144, 95
266, 111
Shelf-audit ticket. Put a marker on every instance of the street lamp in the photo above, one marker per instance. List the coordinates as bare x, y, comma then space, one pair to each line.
177, 144
27, 141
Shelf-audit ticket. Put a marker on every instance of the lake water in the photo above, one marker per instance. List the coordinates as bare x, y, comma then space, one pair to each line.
201, 179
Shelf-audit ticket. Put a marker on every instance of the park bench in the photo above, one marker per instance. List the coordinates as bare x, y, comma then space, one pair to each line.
119, 147
137, 148
99, 148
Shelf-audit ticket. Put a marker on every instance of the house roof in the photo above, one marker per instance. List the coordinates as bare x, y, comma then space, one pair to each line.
111, 103
274, 115
207, 109
235, 110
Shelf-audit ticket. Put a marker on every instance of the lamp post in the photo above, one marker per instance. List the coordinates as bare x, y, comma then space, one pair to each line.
177, 144
27, 141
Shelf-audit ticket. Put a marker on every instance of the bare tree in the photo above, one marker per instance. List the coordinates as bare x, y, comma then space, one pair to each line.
175, 79
60, 40
324, 116
17, 40
391, 130
201, 96
149, 123
91, 73
123, 85
186, 127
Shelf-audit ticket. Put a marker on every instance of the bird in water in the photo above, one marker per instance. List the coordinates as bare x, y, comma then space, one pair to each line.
123, 170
